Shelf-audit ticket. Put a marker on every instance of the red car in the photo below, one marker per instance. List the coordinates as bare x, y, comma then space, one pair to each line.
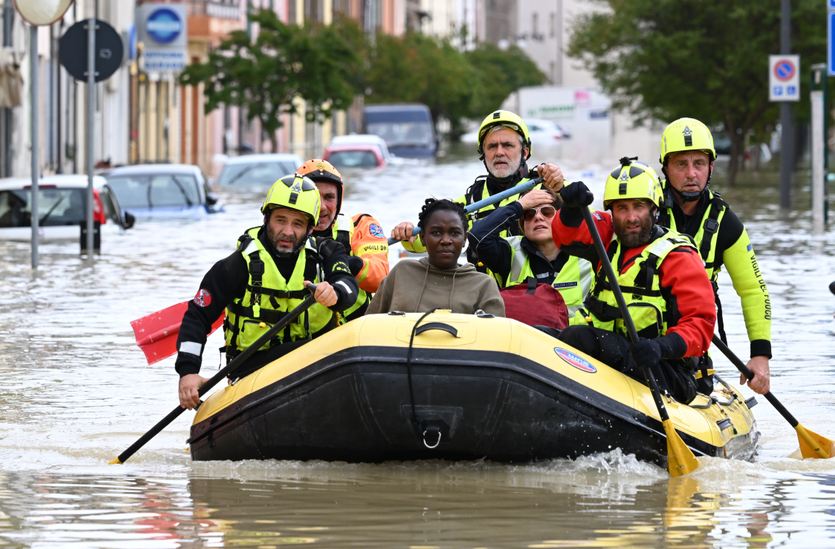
354, 155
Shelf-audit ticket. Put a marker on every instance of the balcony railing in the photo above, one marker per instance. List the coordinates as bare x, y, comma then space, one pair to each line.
221, 9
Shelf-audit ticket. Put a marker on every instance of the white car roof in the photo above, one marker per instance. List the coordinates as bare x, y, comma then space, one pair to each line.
64, 180
267, 157
154, 169
362, 138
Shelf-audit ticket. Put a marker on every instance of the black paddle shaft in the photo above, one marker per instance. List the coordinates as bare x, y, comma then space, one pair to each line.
223, 372
624, 310
750, 375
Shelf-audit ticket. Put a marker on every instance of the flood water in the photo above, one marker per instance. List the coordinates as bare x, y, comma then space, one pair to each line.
75, 391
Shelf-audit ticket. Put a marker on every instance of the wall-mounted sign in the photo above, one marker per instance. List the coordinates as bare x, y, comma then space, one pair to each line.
162, 30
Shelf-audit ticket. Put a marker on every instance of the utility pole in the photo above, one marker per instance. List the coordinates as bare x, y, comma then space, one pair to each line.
786, 115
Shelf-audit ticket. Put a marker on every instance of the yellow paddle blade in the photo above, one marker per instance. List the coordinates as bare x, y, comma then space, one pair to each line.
813, 445
680, 458
115, 461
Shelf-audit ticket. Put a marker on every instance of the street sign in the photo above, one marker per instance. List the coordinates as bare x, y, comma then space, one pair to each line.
830, 40
784, 78
72, 50
162, 30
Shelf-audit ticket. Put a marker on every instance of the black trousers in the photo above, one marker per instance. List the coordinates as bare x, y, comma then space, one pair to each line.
674, 377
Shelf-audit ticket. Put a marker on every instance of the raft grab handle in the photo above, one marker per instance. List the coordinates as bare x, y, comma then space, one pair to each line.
437, 326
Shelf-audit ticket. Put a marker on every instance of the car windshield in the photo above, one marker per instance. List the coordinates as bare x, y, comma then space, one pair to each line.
55, 207
255, 174
155, 190
402, 133
353, 159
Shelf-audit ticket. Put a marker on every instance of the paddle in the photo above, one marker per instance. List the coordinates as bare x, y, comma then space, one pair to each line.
680, 458
812, 445
156, 333
832, 286
223, 372
492, 199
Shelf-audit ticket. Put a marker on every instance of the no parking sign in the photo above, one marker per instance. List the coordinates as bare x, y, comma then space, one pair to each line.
784, 78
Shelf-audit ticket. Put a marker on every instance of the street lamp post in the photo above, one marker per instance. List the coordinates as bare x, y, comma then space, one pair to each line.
37, 13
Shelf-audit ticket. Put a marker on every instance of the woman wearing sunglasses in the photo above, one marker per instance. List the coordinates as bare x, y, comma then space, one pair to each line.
531, 258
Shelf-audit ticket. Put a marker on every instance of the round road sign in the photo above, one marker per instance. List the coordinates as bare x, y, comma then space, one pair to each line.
784, 70
72, 50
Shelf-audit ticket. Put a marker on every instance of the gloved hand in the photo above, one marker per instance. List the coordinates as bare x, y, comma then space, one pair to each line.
576, 195
355, 263
328, 247
647, 352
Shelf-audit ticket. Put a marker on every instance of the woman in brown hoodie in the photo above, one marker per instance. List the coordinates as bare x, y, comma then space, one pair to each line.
437, 281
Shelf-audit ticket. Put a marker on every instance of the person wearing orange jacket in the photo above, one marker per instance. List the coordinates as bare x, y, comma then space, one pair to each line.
363, 237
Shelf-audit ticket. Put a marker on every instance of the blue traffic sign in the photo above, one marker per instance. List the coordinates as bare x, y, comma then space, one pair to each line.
784, 70
164, 25
830, 28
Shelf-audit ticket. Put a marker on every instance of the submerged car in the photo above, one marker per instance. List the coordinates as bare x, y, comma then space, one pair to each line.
161, 191
354, 156
62, 207
256, 171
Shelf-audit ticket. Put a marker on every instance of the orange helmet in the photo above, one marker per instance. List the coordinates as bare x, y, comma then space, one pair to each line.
322, 170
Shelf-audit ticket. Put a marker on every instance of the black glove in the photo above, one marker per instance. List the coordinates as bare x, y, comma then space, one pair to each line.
576, 195
355, 263
647, 352
328, 247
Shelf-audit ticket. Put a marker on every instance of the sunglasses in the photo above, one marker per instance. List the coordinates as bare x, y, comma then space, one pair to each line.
546, 211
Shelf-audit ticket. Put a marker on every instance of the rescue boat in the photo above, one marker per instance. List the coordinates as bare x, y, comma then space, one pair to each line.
454, 387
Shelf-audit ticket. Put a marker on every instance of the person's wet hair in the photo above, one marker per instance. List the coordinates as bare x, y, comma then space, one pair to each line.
433, 205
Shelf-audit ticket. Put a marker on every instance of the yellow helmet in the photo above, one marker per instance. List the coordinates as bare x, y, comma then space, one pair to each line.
296, 192
508, 119
632, 179
686, 134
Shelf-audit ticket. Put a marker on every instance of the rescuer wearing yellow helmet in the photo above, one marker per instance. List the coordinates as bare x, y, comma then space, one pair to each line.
361, 235
690, 206
504, 145
660, 275
264, 278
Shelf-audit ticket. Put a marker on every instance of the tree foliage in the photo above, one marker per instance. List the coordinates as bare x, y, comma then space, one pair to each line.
421, 69
662, 59
327, 66
265, 73
499, 73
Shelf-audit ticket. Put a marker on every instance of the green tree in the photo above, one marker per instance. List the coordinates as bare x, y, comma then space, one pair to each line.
662, 59
264, 74
421, 69
499, 73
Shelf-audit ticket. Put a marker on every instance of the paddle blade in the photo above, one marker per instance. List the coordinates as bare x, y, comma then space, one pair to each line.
680, 458
156, 333
813, 445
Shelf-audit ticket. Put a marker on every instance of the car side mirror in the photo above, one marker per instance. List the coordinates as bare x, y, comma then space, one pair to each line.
128, 221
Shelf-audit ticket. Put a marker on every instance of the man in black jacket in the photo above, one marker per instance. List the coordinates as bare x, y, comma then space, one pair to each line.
264, 278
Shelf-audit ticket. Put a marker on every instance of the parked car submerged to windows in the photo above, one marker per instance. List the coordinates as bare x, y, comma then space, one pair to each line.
161, 191
256, 171
408, 129
62, 207
354, 156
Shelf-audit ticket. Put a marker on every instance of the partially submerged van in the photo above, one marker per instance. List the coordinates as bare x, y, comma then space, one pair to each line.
408, 128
